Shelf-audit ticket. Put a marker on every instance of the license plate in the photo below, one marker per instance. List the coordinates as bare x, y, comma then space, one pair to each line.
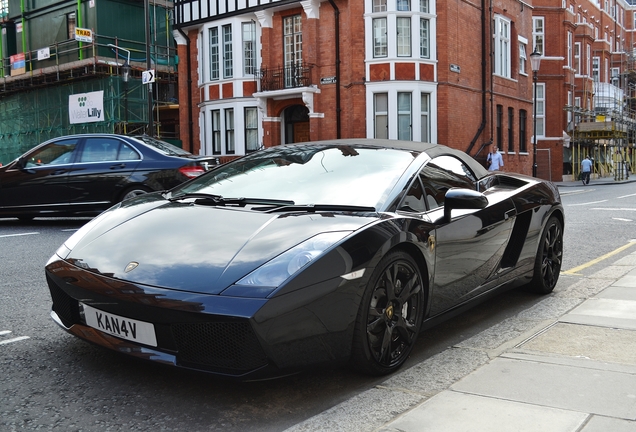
125, 328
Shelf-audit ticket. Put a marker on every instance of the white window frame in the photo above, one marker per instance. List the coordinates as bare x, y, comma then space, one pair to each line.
616, 76
523, 56
425, 117
214, 54
422, 118
538, 35
228, 55
577, 58
380, 114
425, 38
501, 38
596, 69
380, 38
403, 36
248, 34
569, 50
405, 116
540, 109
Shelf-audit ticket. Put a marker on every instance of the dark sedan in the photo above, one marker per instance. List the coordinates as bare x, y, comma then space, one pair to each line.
86, 174
338, 251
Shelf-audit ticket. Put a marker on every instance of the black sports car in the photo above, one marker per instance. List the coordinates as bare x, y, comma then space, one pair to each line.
86, 174
336, 251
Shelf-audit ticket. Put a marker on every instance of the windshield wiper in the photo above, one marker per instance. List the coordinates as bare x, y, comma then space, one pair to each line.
211, 199
323, 208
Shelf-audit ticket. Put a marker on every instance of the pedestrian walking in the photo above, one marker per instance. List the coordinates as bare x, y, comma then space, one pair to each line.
494, 160
586, 170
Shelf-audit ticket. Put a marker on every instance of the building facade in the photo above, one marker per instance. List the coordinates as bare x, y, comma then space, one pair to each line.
585, 85
263, 73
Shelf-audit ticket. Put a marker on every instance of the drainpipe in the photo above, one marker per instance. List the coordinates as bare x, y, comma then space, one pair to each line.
337, 31
189, 77
483, 79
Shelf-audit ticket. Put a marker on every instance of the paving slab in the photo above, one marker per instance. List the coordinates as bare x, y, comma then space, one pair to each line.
582, 341
458, 412
607, 424
593, 391
619, 292
604, 312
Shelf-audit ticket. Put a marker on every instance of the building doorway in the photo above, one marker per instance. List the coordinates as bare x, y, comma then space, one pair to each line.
296, 124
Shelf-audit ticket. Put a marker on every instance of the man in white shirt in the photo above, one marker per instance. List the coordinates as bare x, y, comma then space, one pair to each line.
586, 170
495, 161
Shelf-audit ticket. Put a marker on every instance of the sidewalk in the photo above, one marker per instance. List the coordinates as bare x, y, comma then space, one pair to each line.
602, 181
568, 364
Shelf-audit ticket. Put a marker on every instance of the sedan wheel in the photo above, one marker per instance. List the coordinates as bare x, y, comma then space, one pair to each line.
390, 316
549, 258
133, 192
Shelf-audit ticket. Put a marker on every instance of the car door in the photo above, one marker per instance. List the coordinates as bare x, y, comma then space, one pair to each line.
39, 179
468, 247
104, 165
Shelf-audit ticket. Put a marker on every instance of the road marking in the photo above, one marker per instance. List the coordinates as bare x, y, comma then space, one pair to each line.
20, 234
588, 203
70, 229
19, 338
623, 220
4, 332
575, 270
614, 208
626, 196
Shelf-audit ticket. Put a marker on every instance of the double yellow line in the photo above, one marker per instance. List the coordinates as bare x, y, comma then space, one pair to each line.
575, 270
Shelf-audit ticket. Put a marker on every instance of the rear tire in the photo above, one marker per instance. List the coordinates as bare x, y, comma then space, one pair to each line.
134, 191
549, 258
390, 316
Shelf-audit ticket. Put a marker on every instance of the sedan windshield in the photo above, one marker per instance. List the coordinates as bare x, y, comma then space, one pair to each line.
334, 175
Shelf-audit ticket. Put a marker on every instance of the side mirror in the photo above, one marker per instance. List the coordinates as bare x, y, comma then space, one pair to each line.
21, 163
458, 198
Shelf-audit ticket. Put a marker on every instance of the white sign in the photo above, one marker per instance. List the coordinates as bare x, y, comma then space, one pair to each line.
44, 53
86, 107
83, 35
148, 76
18, 27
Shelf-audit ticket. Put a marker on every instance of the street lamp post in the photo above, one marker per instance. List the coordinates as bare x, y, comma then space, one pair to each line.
535, 63
125, 75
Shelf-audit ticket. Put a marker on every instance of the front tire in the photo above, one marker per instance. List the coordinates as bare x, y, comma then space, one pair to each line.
549, 258
390, 316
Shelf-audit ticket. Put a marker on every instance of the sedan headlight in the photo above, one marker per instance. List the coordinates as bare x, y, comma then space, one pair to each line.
278, 270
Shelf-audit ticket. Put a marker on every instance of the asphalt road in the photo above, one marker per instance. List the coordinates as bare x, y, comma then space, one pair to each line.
52, 381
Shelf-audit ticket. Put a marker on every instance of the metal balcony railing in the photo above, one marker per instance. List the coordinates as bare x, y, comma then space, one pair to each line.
294, 76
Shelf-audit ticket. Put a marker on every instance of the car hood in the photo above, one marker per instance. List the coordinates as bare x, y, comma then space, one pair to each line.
196, 248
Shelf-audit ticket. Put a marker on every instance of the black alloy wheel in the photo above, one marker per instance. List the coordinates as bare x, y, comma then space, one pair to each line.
549, 257
390, 316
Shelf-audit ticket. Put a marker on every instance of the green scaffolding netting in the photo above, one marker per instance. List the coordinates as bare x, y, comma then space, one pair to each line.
29, 118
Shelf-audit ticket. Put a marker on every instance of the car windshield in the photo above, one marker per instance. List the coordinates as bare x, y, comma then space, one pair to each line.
304, 174
163, 147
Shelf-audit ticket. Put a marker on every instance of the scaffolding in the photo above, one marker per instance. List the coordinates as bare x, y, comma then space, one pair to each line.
34, 105
605, 133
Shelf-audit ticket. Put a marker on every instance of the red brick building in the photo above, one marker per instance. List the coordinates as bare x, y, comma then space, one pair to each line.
585, 84
262, 73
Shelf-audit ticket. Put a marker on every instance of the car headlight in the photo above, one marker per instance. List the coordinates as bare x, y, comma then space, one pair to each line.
278, 270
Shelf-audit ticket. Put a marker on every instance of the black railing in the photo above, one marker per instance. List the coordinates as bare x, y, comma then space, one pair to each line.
297, 75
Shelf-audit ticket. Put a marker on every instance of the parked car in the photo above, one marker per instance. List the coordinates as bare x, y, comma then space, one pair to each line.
338, 251
86, 174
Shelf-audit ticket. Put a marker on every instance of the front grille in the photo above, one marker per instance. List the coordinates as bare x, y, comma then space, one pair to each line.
230, 346
66, 308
